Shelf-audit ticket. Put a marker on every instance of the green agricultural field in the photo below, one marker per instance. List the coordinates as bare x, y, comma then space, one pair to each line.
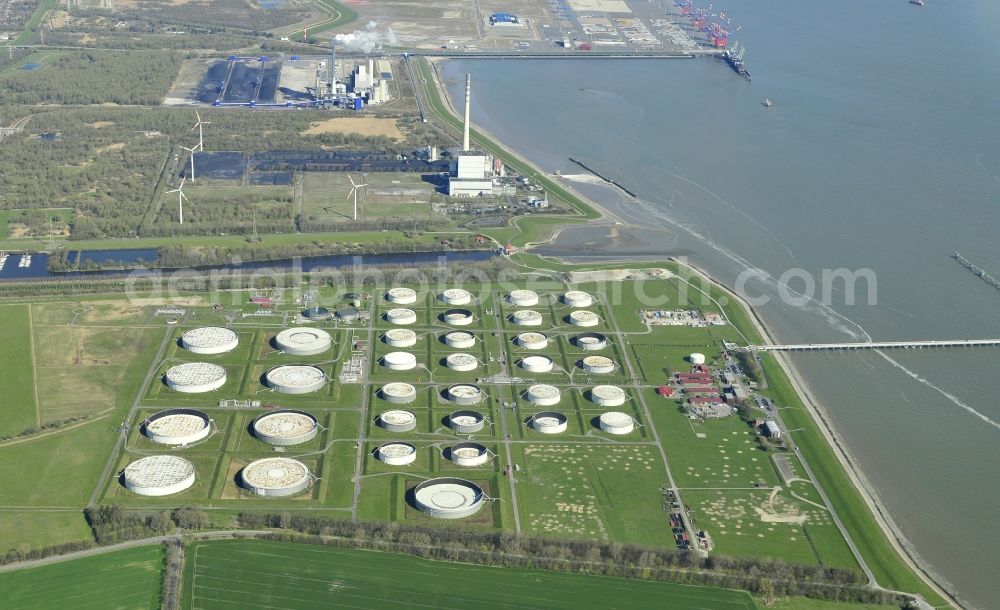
327, 195
242, 574
17, 384
123, 579
25, 530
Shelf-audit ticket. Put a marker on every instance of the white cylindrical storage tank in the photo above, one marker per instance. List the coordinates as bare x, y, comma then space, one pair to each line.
210, 340
397, 454
398, 393
466, 422
615, 422
401, 296
461, 362
532, 340
544, 395
158, 475
448, 498
295, 379
303, 341
285, 428
536, 364
195, 377
591, 342
397, 420
464, 394
399, 361
523, 298
526, 317
460, 340
458, 317
577, 298
598, 365
608, 395
468, 454
400, 337
697, 358
177, 426
401, 316
456, 296
275, 477
549, 422
584, 318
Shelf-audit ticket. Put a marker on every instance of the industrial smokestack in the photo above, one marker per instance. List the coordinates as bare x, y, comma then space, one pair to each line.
468, 98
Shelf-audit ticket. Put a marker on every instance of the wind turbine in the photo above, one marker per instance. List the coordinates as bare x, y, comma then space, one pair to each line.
354, 192
191, 150
201, 139
180, 198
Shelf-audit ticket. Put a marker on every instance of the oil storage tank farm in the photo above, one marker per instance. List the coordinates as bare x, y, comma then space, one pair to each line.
461, 362
532, 340
275, 477
523, 298
401, 296
285, 428
456, 296
615, 422
458, 317
399, 361
460, 340
536, 364
396, 454
400, 337
465, 394
195, 377
526, 317
466, 421
584, 318
210, 340
543, 395
397, 420
598, 365
177, 426
303, 341
577, 298
608, 395
468, 454
448, 498
401, 316
158, 475
295, 379
590, 342
549, 422
398, 393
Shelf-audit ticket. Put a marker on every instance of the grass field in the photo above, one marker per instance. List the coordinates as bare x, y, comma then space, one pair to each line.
123, 579
327, 195
22, 529
17, 384
250, 574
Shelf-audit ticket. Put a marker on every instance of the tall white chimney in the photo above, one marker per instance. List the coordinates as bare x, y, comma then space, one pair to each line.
468, 98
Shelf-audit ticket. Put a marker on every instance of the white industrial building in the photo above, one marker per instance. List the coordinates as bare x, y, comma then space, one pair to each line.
471, 171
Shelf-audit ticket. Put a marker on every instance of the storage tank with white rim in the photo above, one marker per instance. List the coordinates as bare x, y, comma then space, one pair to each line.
608, 395
696, 358
461, 362
468, 454
285, 428
590, 342
549, 422
400, 337
158, 475
598, 365
544, 395
616, 422
398, 393
401, 316
458, 339
464, 394
275, 477
523, 298
295, 379
397, 420
396, 454
210, 340
401, 296
577, 298
526, 317
456, 296
532, 340
177, 426
195, 377
466, 422
584, 318
303, 341
399, 361
448, 498
536, 364
458, 317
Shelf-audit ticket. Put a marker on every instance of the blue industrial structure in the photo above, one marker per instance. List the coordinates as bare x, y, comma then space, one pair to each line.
496, 18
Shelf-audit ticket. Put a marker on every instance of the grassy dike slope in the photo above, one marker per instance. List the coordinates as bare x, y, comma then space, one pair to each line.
889, 568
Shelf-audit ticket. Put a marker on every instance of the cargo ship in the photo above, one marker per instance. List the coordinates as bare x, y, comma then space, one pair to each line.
734, 57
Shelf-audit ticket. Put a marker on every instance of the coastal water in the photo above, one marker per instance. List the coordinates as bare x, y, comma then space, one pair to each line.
882, 152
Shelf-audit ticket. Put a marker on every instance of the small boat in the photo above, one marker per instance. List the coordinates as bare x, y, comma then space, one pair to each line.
766, 103
917, 2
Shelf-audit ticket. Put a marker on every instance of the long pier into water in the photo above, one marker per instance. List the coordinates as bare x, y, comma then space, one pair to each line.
815, 347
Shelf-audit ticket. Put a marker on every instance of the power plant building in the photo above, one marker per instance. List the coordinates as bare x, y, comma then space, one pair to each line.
471, 171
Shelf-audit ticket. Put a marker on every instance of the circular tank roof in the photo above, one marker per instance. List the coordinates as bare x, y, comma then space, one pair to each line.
303, 341
159, 475
210, 340
196, 377
275, 474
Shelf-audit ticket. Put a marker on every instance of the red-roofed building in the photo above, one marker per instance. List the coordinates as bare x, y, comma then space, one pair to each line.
665, 391
262, 301
705, 400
